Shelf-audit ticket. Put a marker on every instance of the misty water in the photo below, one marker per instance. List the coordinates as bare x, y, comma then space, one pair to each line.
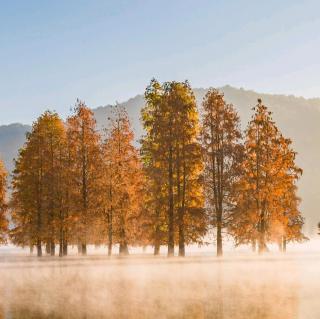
240, 285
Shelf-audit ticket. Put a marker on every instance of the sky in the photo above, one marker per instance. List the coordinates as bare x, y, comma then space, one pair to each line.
53, 52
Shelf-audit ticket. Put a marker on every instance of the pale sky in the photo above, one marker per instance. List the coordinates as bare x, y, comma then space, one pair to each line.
52, 52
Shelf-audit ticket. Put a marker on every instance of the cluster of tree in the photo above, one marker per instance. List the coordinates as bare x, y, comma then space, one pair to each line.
205, 175
267, 205
75, 186
72, 187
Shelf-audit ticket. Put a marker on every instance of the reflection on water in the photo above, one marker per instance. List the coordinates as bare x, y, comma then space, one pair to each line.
268, 287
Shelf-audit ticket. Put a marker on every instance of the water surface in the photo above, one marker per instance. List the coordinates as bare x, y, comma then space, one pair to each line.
244, 286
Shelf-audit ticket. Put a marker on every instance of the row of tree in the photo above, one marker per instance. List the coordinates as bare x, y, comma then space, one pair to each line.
207, 174
190, 179
70, 186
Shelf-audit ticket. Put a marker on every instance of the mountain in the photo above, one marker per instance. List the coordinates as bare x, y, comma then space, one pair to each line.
12, 137
297, 118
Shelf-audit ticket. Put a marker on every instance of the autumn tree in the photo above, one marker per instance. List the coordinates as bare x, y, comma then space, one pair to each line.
172, 159
188, 165
269, 174
85, 174
222, 153
123, 183
3, 203
54, 190
37, 198
155, 156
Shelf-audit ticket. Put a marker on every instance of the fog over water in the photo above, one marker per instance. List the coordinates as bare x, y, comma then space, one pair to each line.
240, 285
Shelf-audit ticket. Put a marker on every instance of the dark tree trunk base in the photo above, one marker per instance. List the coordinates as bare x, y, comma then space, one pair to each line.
182, 251
123, 250
170, 251
52, 249
84, 249
110, 248
60, 249
156, 251
219, 242
65, 248
39, 249
48, 248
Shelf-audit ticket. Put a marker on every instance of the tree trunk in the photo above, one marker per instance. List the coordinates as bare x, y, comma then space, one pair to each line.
123, 249
39, 207
280, 245
253, 245
84, 249
65, 247
156, 251
52, 248
109, 248
39, 248
219, 237
262, 239
157, 235
48, 248
171, 207
284, 244
61, 241
60, 249
31, 249
110, 232
79, 249
84, 194
182, 251
262, 244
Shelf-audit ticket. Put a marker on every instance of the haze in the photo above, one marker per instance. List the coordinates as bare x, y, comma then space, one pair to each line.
238, 286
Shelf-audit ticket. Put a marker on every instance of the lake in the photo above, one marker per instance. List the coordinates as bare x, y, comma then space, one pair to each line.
240, 286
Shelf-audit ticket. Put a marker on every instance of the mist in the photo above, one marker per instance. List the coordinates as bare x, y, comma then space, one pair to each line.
239, 285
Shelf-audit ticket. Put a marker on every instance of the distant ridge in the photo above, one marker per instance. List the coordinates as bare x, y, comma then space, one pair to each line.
12, 137
297, 117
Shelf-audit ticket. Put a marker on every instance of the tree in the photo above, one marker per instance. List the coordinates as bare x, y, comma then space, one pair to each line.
222, 153
155, 156
3, 204
269, 173
123, 183
37, 200
172, 160
54, 190
188, 166
85, 174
